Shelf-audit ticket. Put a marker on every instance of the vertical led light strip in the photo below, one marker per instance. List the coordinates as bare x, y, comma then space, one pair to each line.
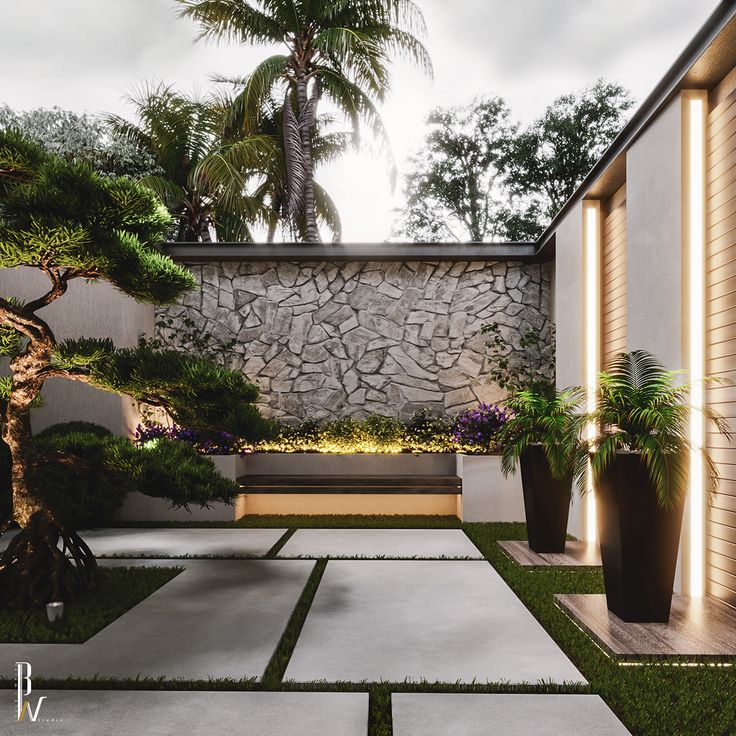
696, 331
591, 237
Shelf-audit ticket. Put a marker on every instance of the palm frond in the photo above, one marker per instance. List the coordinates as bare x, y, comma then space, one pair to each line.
554, 421
644, 408
327, 212
169, 192
258, 88
232, 20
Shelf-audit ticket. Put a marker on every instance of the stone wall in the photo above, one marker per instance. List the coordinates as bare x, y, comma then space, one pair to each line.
325, 339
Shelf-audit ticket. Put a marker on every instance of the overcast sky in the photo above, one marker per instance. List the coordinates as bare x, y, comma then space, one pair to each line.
86, 54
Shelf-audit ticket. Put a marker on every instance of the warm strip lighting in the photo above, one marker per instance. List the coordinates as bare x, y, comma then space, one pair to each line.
592, 340
696, 256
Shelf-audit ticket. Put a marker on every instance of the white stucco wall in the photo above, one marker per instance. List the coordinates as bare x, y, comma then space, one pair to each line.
654, 232
86, 310
654, 253
569, 300
569, 311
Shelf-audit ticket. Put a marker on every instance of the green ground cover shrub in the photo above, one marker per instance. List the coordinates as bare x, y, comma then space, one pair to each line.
88, 493
475, 430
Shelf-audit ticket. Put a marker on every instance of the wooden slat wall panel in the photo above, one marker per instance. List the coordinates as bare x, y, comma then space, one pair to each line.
613, 277
721, 332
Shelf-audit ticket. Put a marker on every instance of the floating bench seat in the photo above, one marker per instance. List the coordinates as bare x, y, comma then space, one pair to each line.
351, 494
419, 484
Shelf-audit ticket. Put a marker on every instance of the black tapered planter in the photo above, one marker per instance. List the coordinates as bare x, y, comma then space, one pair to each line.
638, 541
546, 502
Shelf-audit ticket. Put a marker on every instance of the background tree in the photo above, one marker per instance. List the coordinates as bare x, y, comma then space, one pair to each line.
81, 139
454, 189
69, 223
338, 49
478, 178
204, 173
547, 162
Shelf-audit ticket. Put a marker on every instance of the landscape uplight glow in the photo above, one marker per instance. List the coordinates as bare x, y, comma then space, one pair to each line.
696, 323
591, 233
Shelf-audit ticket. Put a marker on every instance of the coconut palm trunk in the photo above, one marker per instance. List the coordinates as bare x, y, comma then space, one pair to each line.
305, 130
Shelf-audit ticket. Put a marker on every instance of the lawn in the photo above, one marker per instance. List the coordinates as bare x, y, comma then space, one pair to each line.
117, 591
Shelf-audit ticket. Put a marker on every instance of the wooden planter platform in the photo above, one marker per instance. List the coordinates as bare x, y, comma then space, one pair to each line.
700, 629
576, 554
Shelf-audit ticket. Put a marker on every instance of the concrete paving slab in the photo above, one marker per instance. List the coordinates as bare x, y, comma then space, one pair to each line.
378, 543
217, 619
182, 542
441, 621
158, 543
116, 713
503, 715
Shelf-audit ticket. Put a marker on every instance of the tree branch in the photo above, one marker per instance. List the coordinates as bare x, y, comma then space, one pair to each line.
54, 372
58, 289
27, 324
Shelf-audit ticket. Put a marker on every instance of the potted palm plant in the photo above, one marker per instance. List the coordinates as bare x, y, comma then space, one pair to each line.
542, 436
640, 468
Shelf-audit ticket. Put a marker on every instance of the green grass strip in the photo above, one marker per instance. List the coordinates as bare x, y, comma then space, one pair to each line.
273, 677
380, 717
271, 554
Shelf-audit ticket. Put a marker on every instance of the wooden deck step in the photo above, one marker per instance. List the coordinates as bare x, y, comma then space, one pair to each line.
352, 484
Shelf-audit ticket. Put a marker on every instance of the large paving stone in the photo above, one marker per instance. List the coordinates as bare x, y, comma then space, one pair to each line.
217, 619
442, 621
159, 543
503, 715
116, 713
182, 542
376, 543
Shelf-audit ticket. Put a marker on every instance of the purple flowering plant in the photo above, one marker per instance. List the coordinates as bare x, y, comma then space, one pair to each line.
218, 443
479, 429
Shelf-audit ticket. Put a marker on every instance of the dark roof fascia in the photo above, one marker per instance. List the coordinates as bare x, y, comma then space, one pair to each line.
662, 94
202, 252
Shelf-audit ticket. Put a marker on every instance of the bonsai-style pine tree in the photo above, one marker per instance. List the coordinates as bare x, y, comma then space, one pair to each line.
69, 223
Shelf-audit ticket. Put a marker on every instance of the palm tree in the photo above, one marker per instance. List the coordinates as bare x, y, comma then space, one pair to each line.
339, 48
271, 190
204, 173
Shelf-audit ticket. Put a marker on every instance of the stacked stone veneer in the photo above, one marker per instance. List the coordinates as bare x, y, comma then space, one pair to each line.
326, 339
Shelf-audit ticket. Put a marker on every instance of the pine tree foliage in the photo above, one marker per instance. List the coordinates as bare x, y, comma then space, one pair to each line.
70, 223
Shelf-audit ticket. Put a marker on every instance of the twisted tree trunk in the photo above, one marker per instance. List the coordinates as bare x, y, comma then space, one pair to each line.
305, 129
26, 371
35, 568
